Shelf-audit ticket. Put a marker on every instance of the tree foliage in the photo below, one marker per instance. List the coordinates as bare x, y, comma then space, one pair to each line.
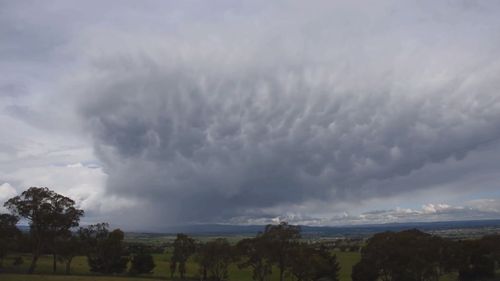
479, 257
311, 263
417, 256
184, 247
104, 249
254, 253
141, 263
407, 255
68, 247
49, 214
280, 239
8, 234
214, 258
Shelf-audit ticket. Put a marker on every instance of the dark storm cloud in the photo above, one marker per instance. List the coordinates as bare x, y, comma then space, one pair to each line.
225, 121
227, 111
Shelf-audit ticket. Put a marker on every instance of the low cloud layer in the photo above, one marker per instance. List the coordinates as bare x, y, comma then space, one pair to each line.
245, 113
483, 209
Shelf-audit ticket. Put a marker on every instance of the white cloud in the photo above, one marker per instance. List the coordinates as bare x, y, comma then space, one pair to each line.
6, 192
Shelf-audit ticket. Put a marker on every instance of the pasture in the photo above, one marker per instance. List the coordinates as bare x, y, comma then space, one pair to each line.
80, 270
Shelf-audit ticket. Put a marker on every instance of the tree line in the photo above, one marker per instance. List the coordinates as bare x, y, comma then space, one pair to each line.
409, 255
278, 247
412, 255
53, 221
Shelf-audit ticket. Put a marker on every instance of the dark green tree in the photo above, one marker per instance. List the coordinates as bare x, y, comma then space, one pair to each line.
141, 263
492, 242
311, 263
173, 268
9, 234
141, 260
477, 259
203, 259
184, 247
326, 265
214, 258
280, 239
409, 255
68, 247
49, 215
364, 271
104, 249
253, 253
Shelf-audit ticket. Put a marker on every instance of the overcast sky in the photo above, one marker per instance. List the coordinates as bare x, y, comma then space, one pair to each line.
157, 113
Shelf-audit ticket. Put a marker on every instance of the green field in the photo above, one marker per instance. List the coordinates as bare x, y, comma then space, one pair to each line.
80, 269
39, 277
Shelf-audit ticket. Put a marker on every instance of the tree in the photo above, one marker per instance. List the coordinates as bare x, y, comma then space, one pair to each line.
492, 242
67, 248
364, 271
253, 252
214, 258
104, 249
477, 259
173, 267
8, 234
326, 266
203, 259
184, 247
310, 263
280, 239
142, 263
409, 255
141, 260
49, 215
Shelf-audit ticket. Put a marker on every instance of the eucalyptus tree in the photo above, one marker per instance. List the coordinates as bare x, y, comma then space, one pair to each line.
214, 258
104, 249
309, 262
409, 255
254, 253
49, 215
67, 248
281, 239
184, 247
8, 234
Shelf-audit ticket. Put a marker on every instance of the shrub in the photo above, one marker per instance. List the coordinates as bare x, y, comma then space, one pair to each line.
142, 263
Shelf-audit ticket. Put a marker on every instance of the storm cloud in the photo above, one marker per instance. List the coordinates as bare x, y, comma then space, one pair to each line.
248, 112
228, 118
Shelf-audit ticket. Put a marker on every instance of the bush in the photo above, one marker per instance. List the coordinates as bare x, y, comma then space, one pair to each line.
142, 263
18, 261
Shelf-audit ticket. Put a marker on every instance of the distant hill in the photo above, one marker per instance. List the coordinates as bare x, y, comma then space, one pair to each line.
332, 231
481, 226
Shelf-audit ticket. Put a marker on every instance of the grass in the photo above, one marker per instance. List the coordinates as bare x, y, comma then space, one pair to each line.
39, 277
347, 260
80, 270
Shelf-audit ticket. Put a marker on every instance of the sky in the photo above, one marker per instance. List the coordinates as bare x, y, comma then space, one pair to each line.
157, 113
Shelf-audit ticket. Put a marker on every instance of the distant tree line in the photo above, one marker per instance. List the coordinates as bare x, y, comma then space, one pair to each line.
412, 255
53, 222
279, 250
278, 247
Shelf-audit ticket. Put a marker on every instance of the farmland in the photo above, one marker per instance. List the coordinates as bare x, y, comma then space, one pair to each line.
80, 270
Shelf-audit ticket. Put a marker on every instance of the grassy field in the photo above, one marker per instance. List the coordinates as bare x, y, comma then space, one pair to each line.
40, 277
80, 268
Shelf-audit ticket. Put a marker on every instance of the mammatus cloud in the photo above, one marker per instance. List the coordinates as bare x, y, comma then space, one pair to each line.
254, 112
206, 128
